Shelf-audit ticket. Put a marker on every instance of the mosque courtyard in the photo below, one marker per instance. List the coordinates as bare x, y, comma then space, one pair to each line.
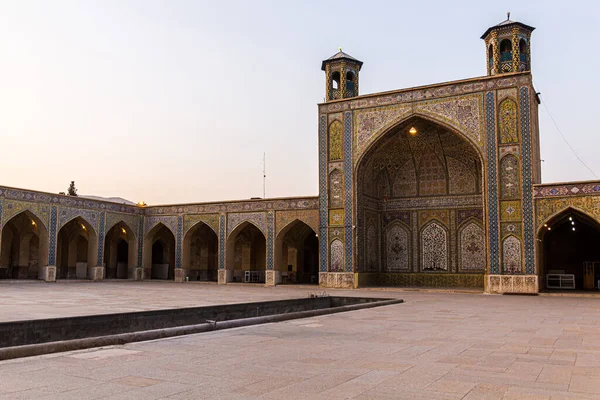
436, 345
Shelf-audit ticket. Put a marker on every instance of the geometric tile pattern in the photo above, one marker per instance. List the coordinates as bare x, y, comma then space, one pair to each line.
170, 221
270, 235
434, 248
335, 141
189, 221
348, 179
492, 184
114, 218
52, 234
101, 239
222, 241
67, 214
178, 242
425, 93
323, 193
528, 234
472, 247
566, 189
284, 218
140, 237
14, 207
259, 219
511, 256
507, 116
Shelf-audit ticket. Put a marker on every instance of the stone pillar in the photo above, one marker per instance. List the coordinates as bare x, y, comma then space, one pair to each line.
179, 275
272, 278
96, 273
47, 273
136, 274
179, 272
270, 273
225, 276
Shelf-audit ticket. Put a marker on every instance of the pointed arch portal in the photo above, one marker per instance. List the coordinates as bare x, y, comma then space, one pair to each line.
297, 254
569, 244
24, 247
76, 250
416, 190
159, 253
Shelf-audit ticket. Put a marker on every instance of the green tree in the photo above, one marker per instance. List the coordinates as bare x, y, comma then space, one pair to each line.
72, 191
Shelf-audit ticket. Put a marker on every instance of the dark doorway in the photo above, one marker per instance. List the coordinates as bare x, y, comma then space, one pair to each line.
569, 241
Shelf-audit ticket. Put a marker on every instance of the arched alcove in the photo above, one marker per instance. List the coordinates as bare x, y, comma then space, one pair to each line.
120, 252
200, 257
297, 253
159, 253
76, 249
246, 252
566, 243
415, 187
24, 247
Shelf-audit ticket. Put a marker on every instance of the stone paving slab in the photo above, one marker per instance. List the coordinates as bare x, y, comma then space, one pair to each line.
434, 346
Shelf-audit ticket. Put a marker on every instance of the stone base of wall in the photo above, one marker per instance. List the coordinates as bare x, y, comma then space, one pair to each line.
343, 280
95, 273
136, 274
499, 284
47, 273
432, 280
180, 275
225, 276
272, 278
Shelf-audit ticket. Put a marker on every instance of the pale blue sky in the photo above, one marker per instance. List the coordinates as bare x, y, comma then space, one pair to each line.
175, 101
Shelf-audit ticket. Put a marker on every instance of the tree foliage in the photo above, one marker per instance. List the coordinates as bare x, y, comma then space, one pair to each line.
72, 191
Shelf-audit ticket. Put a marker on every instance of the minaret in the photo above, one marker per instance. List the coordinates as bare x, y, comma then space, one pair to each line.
508, 47
341, 72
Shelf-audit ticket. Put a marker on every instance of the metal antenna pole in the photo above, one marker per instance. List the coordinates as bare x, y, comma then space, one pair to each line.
264, 175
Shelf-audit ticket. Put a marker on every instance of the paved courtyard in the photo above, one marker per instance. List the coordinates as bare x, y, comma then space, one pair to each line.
434, 346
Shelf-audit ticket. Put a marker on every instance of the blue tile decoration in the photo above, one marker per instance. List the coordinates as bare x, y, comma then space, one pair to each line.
323, 193
101, 239
270, 235
140, 236
526, 172
490, 115
222, 226
52, 245
348, 188
68, 214
178, 242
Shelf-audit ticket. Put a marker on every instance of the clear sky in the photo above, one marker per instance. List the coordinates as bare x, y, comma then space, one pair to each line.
176, 101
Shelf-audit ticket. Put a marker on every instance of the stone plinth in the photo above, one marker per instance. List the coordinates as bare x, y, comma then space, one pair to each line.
225, 276
95, 273
342, 280
47, 273
272, 278
498, 284
179, 275
136, 274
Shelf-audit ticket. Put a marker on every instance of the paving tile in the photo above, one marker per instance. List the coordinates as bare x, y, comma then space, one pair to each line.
434, 346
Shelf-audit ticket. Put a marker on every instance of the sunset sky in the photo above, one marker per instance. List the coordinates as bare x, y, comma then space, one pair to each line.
176, 101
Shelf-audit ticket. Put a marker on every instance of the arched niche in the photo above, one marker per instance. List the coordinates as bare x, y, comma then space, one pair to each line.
159, 253
24, 246
120, 251
297, 253
566, 242
76, 249
200, 253
246, 250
